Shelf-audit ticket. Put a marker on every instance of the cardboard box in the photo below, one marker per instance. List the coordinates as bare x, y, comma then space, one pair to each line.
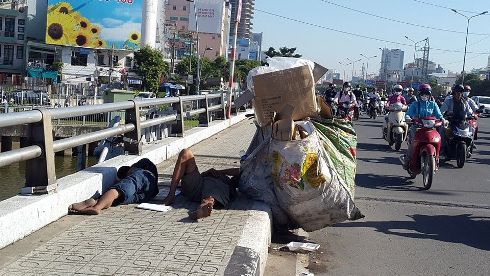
275, 90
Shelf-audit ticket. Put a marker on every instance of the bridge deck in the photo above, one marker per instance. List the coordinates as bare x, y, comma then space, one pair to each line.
128, 241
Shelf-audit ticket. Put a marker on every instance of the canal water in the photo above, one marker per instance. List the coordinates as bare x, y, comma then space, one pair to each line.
12, 177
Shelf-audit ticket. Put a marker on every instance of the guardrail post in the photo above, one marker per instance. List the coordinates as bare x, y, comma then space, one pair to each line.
41, 171
132, 139
206, 100
179, 128
223, 104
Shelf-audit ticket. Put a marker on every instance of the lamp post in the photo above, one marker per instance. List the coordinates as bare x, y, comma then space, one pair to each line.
343, 68
468, 18
367, 64
198, 81
353, 62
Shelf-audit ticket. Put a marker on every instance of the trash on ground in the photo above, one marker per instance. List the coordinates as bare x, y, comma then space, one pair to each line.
154, 207
305, 246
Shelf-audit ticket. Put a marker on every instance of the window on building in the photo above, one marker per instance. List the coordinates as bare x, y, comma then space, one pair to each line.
21, 22
20, 29
174, 8
184, 19
128, 62
174, 18
100, 60
20, 37
184, 8
78, 59
115, 60
20, 52
9, 26
8, 54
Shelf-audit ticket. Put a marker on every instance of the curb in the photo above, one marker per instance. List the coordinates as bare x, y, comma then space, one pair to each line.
250, 255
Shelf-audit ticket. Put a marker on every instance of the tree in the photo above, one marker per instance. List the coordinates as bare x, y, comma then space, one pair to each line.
151, 66
242, 67
478, 87
283, 52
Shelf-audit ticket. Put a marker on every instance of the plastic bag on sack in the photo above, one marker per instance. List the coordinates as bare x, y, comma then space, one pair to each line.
255, 178
307, 185
277, 64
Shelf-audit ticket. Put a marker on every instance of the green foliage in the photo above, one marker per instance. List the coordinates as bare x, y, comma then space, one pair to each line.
242, 67
57, 66
151, 66
283, 52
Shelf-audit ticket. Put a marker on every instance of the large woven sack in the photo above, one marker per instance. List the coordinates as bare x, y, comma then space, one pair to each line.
307, 185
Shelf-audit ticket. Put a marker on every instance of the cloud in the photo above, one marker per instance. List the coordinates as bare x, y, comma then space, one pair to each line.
121, 32
133, 13
111, 22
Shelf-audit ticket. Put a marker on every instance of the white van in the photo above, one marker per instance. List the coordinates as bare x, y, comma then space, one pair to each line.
485, 101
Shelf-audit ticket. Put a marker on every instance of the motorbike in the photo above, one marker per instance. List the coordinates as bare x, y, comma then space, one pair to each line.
460, 141
426, 146
381, 108
346, 111
395, 129
373, 108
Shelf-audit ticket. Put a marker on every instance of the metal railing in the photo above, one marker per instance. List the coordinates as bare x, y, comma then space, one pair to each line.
41, 147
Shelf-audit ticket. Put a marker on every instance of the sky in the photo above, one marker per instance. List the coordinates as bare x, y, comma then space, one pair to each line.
317, 40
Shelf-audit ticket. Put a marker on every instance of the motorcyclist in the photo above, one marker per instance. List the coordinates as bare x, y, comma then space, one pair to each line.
396, 97
330, 95
417, 110
360, 98
457, 108
410, 97
466, 96
346, 95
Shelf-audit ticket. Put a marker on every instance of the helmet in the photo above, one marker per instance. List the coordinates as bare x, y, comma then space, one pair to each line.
397, 88
347, 84
467, 88
332, 85
425, 89
458, 88
410, 89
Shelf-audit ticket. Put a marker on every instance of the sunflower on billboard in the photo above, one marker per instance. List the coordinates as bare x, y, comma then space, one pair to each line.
67, 26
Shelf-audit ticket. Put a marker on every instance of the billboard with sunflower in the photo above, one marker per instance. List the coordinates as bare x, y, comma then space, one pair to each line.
94, 23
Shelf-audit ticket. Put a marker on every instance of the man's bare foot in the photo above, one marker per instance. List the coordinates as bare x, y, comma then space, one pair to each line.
89, 211
77, 207
204, 210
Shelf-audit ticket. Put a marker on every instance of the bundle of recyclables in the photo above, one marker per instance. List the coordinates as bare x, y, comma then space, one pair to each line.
301, 161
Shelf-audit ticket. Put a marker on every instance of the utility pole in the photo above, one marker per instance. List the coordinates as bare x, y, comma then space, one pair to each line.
233, 54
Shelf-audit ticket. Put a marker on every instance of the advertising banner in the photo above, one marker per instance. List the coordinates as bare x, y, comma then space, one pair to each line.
94, 23
209, 16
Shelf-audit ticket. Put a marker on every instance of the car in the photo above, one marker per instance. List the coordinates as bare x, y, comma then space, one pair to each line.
484, 102
145, 95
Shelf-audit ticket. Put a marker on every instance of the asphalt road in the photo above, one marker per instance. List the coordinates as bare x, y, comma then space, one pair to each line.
409, 231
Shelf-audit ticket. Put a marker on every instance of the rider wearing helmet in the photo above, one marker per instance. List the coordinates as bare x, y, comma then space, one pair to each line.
397, 96
410, 97
420, 109
466, 96
457, 105
331, 92
346, 95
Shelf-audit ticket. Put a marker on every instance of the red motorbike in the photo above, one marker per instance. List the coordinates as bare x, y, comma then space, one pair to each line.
425, 150
346, 111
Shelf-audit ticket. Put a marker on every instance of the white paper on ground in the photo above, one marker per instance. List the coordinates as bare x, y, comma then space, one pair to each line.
295, 246
154, 207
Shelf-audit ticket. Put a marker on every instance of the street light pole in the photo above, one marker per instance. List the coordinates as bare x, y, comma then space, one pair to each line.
367, 63
466, 40
343, 68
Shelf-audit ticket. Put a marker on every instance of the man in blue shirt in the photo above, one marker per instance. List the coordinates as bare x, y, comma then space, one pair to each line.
421, 109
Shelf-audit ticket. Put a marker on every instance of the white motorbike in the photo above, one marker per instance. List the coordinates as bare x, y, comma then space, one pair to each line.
395, 128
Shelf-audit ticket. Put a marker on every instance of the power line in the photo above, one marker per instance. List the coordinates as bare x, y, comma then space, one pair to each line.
442, 7
398, 21
360, 35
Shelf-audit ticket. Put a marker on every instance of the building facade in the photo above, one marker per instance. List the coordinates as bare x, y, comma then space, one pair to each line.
245, 26
213, 18
13, 20
391, 64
